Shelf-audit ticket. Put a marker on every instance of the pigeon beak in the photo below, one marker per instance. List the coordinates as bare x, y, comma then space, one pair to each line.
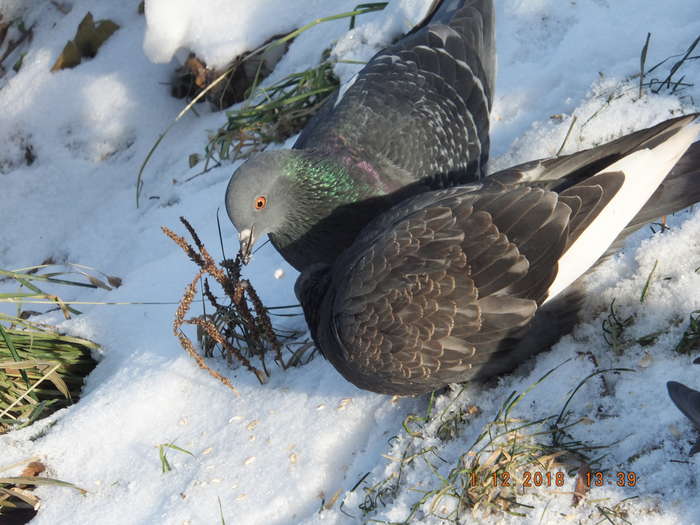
247, 239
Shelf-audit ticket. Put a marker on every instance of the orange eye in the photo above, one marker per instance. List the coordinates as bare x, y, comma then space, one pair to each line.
260, 203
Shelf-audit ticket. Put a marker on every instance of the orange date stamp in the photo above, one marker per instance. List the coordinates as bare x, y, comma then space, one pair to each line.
538, 478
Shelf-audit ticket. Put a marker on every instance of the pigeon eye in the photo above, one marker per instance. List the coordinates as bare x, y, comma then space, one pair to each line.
260, 203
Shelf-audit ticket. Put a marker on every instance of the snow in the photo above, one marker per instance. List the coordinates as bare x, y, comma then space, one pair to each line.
275, 453
218, 30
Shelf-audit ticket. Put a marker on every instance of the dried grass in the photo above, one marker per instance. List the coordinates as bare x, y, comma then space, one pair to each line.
510, 457
41, 369
18, 503
241, 329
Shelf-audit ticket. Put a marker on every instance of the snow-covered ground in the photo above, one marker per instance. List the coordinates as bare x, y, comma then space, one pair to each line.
278, 454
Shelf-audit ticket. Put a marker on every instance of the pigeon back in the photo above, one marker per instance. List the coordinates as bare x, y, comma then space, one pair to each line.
419, 110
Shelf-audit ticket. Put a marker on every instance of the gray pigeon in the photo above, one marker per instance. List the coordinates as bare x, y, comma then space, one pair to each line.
415, 119
467, 282
688, 402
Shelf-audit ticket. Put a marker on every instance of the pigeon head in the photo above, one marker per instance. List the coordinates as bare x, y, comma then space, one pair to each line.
258, 196
290, 195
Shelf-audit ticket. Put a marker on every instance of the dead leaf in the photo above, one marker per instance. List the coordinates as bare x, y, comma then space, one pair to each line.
69, 57
33, 469
198, 69
89, 37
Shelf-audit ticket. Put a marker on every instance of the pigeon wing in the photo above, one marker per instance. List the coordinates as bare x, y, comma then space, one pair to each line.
419, 110
429, 292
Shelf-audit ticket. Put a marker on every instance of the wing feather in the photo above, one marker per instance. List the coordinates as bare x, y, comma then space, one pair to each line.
419, 110
435, 309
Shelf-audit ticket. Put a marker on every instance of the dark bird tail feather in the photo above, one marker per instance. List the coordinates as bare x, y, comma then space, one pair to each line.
680, 189
559, 173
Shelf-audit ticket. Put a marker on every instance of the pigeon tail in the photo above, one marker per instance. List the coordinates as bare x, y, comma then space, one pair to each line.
679, 190
643, 172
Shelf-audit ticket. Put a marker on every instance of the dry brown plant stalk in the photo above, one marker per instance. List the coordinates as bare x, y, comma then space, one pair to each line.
252, 326
182, 309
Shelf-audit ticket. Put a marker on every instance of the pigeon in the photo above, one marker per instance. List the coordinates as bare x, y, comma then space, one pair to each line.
463, 283
414, 119
687, 400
